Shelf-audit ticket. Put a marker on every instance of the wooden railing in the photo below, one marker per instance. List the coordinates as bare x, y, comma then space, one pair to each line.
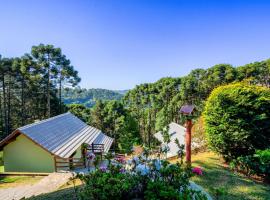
96, 148
69, 163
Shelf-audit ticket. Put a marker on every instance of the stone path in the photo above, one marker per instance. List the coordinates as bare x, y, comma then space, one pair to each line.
48, 184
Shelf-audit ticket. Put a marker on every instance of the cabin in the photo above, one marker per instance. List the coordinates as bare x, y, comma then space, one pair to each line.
175, 131
51, 145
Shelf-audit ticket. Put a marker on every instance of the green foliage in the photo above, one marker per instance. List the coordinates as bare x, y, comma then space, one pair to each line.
237, 119
257, 164
30, 86
160, 190
141, 179
219, 192
97, 160
88, 97
81, 112
57, 69
155, 105
114, 119
103, 186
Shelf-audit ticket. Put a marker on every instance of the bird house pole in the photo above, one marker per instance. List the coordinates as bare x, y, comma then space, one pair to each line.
187, 110
188, 140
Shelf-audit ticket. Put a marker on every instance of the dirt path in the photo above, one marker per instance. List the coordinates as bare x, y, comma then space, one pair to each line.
47, 184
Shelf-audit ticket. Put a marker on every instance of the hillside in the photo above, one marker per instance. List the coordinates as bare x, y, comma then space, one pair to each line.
88, 97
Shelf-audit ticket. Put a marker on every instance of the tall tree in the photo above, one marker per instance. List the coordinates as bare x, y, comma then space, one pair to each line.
47, 58
66, 76
24, 86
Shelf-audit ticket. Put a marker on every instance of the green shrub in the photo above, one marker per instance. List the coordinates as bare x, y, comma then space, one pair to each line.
103, 186
139, 178
237, 119
258, 164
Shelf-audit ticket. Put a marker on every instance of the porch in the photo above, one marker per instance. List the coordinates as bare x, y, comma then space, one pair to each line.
79, 163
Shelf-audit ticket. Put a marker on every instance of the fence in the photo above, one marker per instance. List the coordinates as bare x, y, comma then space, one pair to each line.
66, 164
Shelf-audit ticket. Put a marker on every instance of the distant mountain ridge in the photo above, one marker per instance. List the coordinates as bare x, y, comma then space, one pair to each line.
123, 92
88, 97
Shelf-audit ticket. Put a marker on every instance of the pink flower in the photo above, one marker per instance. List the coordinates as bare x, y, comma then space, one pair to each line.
103, 168
197, 170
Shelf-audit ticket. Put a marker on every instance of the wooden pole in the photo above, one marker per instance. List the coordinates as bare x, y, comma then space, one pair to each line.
188, 140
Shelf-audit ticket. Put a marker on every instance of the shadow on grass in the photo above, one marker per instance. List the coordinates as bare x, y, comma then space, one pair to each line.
63, 194
215, 175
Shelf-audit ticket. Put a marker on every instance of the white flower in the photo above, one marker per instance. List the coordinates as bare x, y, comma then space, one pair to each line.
142, 169
143, 158
157, 164
129, 162
136, 160
81, 173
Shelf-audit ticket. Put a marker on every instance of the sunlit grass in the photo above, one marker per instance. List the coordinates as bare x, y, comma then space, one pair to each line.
13, 181
65, 192
216, 175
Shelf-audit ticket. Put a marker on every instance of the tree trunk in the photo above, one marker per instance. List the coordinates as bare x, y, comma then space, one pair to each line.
22, 102
4, 106
48, 90
9, 106
60, 94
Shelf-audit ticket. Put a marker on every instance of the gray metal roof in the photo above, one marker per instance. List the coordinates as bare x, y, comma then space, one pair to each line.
104, 139
63, 134
175, 131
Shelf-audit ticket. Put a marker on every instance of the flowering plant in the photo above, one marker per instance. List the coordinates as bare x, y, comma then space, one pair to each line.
103, 168
197, 170
91, 156
139, 178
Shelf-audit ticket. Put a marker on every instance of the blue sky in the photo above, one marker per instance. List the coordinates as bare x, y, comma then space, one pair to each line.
116, 44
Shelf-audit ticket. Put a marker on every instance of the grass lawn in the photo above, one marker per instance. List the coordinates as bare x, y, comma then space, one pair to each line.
66, 192
236, 186
13, 181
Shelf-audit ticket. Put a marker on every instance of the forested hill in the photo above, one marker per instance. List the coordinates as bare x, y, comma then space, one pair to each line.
88, 97
155, 105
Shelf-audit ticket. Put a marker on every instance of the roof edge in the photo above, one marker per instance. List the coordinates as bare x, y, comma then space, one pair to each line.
42, 121
16, 133
4, 142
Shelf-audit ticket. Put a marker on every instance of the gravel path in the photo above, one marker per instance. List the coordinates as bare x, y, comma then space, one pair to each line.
48, 184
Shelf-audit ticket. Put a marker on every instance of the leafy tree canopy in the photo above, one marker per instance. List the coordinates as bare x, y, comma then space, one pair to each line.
237, 119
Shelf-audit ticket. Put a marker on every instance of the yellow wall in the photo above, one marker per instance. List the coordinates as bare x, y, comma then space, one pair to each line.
78, 153
22, 155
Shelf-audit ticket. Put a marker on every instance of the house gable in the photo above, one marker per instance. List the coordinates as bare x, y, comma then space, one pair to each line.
23, 155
